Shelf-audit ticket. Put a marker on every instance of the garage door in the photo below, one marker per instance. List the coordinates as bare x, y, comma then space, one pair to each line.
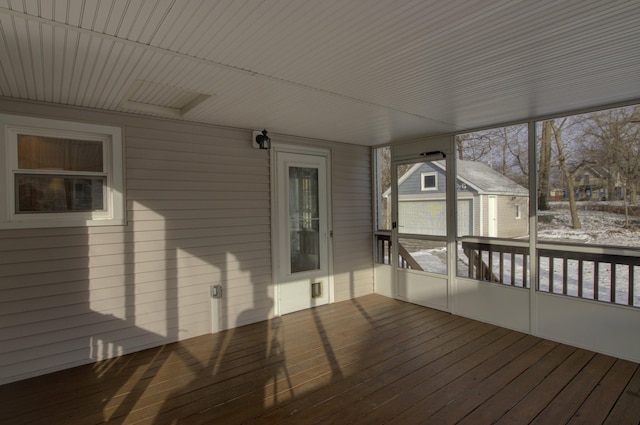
429, 217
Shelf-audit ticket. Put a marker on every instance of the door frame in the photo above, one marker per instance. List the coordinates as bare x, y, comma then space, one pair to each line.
492, 216
277, 148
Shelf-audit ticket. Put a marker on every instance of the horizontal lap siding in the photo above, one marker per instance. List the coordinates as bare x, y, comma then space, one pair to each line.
212, 196
352, 217
198, 209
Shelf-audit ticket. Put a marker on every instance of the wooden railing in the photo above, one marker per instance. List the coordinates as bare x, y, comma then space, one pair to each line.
499, 261
406, 260
594, 272
383, 253
383, 248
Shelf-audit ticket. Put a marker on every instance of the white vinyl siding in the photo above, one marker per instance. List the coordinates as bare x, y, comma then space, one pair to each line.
352, 221
198, 210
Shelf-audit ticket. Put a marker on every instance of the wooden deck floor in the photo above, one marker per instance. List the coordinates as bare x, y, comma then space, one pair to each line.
371, 360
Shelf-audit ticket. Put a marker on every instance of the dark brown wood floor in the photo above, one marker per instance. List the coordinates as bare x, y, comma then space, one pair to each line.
371, 360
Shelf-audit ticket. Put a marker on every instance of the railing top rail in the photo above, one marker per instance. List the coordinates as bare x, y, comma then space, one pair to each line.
586, 256
602, 250
422, 237
509, 249
486, 241
382, 233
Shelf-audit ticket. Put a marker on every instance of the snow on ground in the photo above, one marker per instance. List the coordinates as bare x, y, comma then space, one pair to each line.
598, 228
433, 260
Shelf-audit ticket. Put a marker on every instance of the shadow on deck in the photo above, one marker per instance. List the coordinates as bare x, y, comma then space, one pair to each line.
370, 360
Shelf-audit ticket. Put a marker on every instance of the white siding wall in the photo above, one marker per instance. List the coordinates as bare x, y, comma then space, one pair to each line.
352, 222
508, 225
198, 208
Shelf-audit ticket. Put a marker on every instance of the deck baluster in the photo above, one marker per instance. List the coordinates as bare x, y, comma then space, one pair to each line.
502, 266
565, 272
551, 265
490, 261
596, 280
632, 270
612, 296
580, 278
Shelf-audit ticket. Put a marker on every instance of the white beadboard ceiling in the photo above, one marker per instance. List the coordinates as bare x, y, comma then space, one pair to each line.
357, 71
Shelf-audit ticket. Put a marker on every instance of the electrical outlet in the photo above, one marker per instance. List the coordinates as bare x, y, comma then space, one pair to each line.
215, 291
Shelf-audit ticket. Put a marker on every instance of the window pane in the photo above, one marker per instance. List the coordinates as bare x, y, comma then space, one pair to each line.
50, 153
589, 179
304, 219
492, 183
46, 194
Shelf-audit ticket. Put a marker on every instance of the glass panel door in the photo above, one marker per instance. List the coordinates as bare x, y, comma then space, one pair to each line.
301, 232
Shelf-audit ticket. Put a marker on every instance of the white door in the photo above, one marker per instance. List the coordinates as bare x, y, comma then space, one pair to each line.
301, 247
492, 214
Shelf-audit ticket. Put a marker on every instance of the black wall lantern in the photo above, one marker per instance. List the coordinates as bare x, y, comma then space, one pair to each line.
263, 141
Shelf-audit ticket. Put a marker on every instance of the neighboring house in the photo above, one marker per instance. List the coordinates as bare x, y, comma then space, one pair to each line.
592, 183
596, 183
489, 204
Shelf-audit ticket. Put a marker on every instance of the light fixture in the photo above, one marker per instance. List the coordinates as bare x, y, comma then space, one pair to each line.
262, 141
433, 155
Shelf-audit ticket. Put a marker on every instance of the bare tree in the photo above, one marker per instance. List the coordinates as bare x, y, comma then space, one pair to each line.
569, 165
473, 147
519, 151
504, 149
515, 153
544, 173
615, 141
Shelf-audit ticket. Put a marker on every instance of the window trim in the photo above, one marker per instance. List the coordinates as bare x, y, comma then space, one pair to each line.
113, 171
428, 188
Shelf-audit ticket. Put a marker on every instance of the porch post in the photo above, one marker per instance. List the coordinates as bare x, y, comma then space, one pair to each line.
533, 231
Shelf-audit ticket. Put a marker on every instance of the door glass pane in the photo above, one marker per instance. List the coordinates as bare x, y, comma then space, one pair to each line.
422, 198
304, 219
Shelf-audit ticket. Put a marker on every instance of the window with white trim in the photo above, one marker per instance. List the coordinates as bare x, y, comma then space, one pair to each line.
60, 173
429, 181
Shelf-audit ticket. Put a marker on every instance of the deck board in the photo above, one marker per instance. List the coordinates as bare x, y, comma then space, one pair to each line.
371, 360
